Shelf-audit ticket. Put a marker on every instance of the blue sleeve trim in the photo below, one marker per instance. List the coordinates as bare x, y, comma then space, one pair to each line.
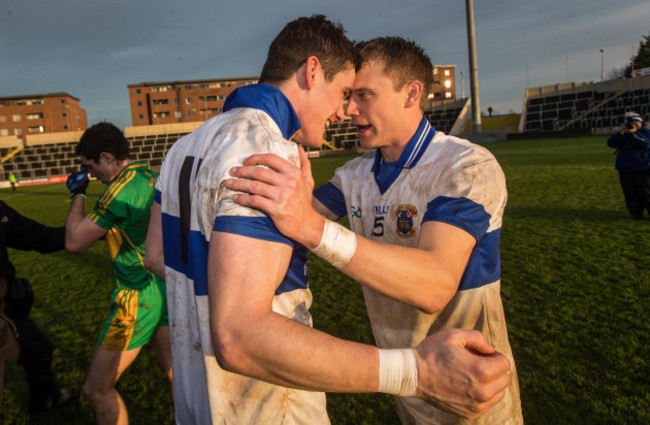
253, 227
459, 212
196, 268
330, 196
484, 265
158, 197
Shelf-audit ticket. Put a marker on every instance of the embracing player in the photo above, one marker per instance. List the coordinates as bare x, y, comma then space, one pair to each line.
427, 209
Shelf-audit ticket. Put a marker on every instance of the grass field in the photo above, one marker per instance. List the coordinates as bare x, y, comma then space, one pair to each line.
576, 291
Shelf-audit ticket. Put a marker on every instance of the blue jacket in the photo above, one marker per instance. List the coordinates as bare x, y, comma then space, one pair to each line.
633, 150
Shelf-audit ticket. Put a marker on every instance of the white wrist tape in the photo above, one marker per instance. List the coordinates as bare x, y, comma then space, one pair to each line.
337, 245
398, 372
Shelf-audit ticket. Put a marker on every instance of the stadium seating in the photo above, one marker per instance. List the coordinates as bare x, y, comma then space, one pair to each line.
54, 154
585, 106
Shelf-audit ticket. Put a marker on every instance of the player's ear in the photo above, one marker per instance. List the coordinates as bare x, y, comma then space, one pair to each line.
108, 157
414, 91
311, 71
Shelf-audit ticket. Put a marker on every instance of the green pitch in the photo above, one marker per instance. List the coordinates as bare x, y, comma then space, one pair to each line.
575, 283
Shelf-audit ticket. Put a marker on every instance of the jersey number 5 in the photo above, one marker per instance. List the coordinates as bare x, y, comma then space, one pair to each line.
378, 227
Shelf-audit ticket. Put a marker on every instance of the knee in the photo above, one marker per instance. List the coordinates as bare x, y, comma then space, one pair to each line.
89, 391
93, 392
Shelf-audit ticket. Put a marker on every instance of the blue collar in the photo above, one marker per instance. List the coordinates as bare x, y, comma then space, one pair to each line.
409, 158
268, 99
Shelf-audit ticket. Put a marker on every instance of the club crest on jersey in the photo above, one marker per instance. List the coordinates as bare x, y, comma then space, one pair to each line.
405, 214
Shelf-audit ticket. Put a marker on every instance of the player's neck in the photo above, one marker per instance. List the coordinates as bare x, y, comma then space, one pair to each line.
121, 165
394, 148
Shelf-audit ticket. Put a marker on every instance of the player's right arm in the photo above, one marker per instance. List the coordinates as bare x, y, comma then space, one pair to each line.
425, 277
250, 339
80, 231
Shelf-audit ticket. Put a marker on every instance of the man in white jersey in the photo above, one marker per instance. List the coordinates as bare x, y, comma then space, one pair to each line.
237, 289
429, 207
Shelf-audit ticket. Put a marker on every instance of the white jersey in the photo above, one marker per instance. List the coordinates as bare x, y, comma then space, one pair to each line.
194, 202
437, 178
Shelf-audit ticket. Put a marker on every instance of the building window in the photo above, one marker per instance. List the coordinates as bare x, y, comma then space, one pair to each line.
35, 129
161, 114
178, 114
191, 113
448, 95
161, 101
62, 101
35, 116
139, 103
18, 131
177, 101
188, 87
447, 83
63, 115
140, 116
189, 100
15, 118
446, 73
65, 127
204, 86
4, 132
161, 89
3, 118
138, 91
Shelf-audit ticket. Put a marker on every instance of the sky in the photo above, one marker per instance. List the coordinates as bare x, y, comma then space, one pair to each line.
93, 49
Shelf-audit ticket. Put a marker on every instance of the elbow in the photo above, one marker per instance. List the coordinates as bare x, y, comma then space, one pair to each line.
432, 306
73, 248
228, 351
438, 298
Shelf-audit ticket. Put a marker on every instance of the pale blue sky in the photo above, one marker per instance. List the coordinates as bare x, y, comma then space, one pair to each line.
93, 49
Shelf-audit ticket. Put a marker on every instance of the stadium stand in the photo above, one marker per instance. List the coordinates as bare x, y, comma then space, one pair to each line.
50, 157
588, 106
449, 116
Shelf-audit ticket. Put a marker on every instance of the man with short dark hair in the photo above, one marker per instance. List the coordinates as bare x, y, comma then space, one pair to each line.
139, 305
426, 209
238, 294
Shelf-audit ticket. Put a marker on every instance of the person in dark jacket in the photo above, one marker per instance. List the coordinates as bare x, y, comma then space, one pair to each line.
34, 347
632, 143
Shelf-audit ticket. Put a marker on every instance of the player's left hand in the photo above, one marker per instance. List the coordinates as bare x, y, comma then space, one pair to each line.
77, 182
458, 371
283, 192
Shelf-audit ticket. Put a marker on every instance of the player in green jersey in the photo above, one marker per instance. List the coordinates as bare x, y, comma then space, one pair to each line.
138, 303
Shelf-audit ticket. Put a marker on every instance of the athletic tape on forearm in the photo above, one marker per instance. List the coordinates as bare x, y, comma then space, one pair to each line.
337, 245
398, 372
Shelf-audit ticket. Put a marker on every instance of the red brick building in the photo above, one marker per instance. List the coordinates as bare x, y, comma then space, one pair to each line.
444, 82
181, 101
170, 102
41, 113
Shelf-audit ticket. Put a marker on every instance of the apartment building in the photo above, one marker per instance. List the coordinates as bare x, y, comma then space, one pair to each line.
444, 82
41, 113
170, 102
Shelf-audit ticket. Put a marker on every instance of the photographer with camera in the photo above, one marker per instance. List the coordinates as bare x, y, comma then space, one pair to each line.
632, 143
21, 340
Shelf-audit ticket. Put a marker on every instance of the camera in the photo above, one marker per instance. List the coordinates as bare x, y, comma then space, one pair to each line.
630, 123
